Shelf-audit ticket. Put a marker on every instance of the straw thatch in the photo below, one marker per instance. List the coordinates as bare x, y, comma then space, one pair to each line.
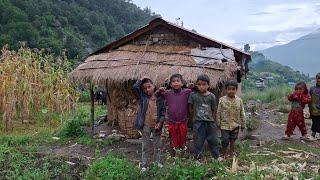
158, 62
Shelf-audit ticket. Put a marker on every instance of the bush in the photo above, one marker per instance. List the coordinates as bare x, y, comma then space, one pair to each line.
111, 167
84, 96
73, 127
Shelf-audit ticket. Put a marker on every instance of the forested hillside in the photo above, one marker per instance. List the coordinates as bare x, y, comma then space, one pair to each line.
262, 67
80, 26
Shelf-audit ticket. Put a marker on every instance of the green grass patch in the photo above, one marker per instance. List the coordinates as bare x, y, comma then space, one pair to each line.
74, 126
111, 167
21, 158
97, 143
84, 96
273, 94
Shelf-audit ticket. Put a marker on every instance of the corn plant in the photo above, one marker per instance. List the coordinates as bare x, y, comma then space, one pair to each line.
32, 82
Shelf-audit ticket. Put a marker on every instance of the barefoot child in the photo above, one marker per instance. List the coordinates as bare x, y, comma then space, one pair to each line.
149, 120
314, 107
202, 104
299, 98
230, 118
177, 101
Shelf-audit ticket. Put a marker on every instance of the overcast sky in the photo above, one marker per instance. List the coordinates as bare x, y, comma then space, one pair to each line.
242, 21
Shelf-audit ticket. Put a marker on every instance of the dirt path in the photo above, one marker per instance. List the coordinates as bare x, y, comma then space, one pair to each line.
270, 130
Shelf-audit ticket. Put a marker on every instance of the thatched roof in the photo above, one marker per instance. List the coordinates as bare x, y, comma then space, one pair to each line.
157, 62
123, 60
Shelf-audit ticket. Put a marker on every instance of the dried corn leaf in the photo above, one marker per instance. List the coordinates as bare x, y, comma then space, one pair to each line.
234, 167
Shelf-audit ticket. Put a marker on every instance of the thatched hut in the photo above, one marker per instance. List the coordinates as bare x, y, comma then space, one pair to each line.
157, 50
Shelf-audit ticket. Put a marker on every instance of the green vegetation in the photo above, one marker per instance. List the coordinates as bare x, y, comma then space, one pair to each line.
111, 167
252, 163
21, 158
79, 26
262, 67
73, 126
27, 157
270, 95
84, 96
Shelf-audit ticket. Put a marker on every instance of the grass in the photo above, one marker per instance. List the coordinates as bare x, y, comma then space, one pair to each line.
111, 167
273, 94
22, 158
252, 164
52, 122
97, 143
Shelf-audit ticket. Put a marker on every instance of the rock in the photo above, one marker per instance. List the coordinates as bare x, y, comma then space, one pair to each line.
101, 135
116, 137
114, 131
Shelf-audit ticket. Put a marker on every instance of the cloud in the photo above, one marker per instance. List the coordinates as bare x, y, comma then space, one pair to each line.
260, 13
263, 39
293, 9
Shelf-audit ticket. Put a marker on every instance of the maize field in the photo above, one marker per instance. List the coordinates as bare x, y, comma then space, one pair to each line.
31, 82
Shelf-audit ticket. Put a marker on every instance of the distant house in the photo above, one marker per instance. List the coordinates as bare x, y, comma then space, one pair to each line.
269, 78
158, 50
291, 84
260, 83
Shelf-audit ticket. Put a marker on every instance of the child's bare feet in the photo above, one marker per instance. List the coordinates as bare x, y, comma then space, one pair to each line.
311, 138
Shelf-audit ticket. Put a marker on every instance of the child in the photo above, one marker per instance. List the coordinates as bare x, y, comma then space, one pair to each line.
149, 120
299, 98
177, 100
230, 118
314, 107
202, 106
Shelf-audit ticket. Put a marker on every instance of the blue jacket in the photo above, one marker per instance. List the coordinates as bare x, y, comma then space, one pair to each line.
143, 106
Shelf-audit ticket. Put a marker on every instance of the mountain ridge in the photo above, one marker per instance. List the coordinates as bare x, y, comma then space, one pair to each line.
301, 54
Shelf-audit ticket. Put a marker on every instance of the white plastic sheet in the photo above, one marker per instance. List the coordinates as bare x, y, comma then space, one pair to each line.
212, 55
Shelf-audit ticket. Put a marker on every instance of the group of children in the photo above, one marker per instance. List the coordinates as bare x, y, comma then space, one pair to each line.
196, 104
299, 99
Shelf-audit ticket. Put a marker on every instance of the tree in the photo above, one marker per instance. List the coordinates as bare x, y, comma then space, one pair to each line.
246, 48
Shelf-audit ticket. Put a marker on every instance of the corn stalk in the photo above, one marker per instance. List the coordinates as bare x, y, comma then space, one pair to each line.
33, 81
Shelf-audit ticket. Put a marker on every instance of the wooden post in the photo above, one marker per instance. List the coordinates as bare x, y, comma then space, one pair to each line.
92, 107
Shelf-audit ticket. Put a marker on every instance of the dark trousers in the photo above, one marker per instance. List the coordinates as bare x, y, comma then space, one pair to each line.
315, 124
205, 130
228, 136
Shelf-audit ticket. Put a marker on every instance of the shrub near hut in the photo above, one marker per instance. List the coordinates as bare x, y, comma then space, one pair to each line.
33, 82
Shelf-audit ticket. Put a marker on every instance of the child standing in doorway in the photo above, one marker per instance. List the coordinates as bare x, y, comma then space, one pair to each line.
202, 105
314, 107
230, 118
299, 98
149, 120
177, 101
